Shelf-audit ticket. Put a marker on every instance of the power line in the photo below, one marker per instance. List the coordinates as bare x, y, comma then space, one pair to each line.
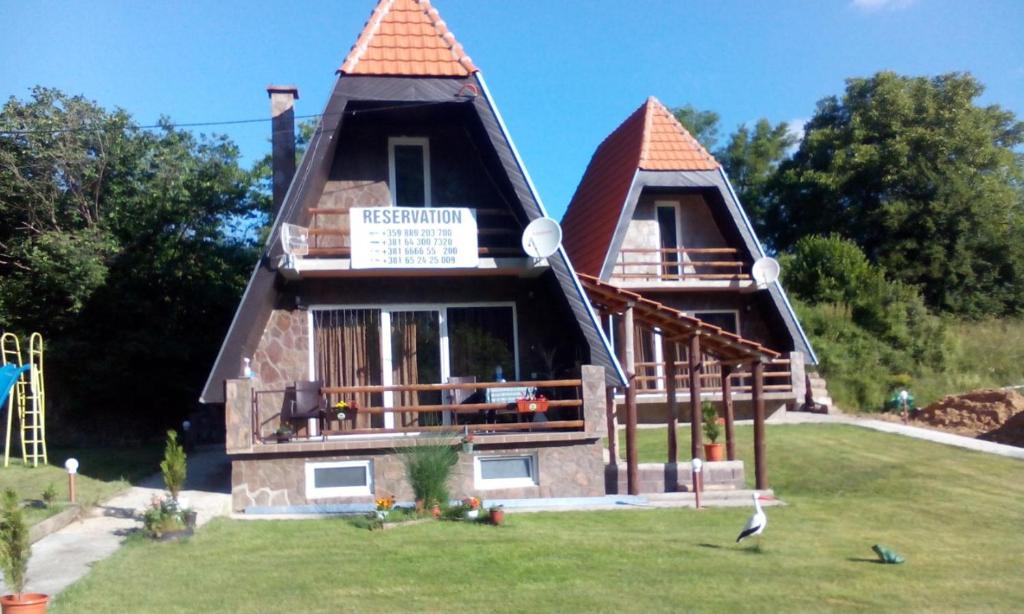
230, 122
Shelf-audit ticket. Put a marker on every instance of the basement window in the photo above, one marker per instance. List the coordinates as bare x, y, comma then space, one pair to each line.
339, 479
409, 171
505, 471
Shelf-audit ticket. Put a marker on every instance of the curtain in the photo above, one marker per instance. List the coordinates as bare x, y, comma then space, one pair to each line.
405, 363
347, 353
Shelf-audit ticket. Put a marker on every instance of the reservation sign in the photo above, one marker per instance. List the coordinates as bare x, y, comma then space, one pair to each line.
413, 238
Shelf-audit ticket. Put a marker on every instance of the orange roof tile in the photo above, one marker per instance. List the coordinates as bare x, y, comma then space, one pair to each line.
407, 38
668, 146
650, 139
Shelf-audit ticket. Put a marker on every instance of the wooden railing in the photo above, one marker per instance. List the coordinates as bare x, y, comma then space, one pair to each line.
679, 264
650, 378
563, 395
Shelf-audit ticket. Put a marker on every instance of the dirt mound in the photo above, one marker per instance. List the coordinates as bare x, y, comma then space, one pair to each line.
997, 415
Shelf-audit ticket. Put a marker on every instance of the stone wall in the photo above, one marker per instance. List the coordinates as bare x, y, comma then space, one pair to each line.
280, 359
563, 470
674, 477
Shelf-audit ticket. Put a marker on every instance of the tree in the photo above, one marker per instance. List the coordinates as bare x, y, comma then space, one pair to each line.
703, 125
925, 181
127, 248
751, 158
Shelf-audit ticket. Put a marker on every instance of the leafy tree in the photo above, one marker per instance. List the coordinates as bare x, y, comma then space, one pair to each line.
925, 181
827, 270
751, 158
703, 125
127, 248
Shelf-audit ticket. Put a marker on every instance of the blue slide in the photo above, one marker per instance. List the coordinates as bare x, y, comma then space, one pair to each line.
9, 375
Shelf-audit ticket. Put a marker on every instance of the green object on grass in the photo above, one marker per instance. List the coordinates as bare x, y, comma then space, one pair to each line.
886, 555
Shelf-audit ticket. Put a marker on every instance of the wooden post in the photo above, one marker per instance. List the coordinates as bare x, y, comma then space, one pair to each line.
613, 428
668, 351
730, 443
632, 460
696, 445
760, 469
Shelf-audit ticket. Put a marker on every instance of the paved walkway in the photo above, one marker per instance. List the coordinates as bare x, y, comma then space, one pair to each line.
63, 557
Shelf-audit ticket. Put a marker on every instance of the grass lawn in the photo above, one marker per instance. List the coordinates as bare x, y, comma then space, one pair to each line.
955, 515
103, 472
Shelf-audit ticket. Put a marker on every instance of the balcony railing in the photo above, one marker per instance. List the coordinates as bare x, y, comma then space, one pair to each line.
651, 378
640, 265
564, 400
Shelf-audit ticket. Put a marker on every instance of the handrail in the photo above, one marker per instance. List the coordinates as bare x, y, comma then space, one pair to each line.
548, 383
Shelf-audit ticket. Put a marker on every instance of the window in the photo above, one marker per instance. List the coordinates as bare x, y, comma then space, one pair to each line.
409, 171
339, 479
728, 321
505, 471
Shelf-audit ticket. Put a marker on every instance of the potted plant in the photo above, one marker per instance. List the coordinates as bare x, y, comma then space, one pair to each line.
340, 409
15, 551
384, 505
472, 505
497, 515
713, 451
467, 443
283, 434
165, 520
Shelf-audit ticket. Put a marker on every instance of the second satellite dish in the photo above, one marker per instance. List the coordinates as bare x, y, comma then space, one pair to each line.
765, 271
542, 237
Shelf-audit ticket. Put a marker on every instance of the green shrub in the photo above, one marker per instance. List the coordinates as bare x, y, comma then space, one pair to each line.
174, 466
712, 430
50, 495
15, 549
428, 466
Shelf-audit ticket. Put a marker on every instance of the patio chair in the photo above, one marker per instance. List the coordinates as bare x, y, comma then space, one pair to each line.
308, 403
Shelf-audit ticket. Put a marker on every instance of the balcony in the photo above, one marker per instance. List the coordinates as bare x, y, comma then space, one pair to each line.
778, 379
698, 268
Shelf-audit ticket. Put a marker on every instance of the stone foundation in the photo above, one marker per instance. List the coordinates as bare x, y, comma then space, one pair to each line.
674, 477
563, 470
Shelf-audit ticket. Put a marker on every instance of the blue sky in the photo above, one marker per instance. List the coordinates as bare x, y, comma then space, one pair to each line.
564, 74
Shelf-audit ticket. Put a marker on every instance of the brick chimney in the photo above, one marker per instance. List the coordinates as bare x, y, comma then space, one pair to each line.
282, 112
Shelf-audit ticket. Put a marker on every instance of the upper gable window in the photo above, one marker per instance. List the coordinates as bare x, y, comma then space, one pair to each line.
409, 171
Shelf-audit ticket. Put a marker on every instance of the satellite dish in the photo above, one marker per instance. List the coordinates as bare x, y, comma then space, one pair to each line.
295, 240
542, 237
765, 271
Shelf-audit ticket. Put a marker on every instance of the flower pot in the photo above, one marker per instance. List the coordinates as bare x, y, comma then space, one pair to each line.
497, 516
467, 447
435, 511
190, 518
283, 438
714, 452
29, 603
472, 514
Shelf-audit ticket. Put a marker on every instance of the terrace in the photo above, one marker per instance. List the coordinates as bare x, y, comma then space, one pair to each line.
680, 267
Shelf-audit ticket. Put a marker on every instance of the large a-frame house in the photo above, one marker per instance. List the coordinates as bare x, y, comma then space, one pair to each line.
394, 280
654, 214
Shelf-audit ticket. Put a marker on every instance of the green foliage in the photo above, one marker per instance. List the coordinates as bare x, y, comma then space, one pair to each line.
50, 495
163, 516
15, 549
712, 430
827, 270
127, 249
751, 158
173, 466
428, 466
702, 125
925, 181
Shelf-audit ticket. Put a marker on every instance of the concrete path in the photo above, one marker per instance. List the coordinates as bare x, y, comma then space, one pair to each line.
63, 557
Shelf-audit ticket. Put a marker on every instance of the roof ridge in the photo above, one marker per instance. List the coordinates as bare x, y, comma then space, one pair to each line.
411, 46
694, 156
645, 140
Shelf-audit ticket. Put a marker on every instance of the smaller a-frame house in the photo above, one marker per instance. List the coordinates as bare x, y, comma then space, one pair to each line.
654, 214
394, 280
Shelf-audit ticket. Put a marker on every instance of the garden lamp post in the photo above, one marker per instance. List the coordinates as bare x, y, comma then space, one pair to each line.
72, 466
696, 464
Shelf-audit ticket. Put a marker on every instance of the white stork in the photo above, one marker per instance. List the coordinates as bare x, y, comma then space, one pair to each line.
756, 523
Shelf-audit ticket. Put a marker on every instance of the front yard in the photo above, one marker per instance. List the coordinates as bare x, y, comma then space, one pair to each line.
103, 473
955, 515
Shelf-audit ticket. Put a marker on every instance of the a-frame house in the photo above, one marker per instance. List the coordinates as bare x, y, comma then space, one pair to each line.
394, 280
655, 214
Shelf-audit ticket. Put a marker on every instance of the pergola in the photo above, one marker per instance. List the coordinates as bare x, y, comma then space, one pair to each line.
699, 339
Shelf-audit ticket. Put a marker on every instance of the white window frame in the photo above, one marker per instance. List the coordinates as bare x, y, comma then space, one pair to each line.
312, 492
677, 214
424, 143
386, 310
491, 484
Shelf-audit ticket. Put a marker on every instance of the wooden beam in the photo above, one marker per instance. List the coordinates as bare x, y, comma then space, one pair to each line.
760, 468
696, 445
668, 351
727, 409
632, 457
613, 428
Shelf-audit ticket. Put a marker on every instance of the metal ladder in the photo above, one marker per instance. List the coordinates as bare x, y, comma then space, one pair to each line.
31, 400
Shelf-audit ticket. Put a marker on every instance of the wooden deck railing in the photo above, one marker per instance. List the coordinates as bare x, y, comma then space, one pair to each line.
679, 264
562, 394
650, 378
